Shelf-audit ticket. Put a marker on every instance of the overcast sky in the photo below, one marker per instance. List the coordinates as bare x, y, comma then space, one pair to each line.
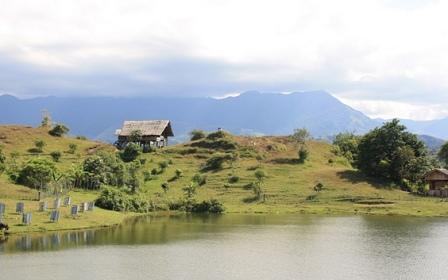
388, 58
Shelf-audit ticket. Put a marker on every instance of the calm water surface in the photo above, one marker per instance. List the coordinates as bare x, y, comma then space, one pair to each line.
236, 247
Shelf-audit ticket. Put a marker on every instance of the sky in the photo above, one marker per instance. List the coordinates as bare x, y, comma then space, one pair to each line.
387, 58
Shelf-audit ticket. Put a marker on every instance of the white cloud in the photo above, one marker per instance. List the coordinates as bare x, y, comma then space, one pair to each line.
369, 53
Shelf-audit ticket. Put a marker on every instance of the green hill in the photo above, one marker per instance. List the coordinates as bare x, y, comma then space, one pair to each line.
289, 186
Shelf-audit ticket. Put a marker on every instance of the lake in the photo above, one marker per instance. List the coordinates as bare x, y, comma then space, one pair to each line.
236, 247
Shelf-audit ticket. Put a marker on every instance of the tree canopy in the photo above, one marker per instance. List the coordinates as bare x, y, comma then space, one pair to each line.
391, 152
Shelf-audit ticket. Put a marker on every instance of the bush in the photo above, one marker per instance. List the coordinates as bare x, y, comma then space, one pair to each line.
208, 206
163, 165
197, 134
303, 154
37, 173
130, 152
56, 155
217, 135
39, 146
216, 161
233, 179
59, 130
80, 137
199, 179
72, 147
2, 161
178, 173
147, 176
301, 135
221, 144
114, 199
260, 175
318, 187
149, 149
154, 171
165, 187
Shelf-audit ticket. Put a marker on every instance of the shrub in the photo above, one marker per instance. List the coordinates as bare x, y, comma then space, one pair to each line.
199, 179
114, 199
36, 173
221, 144
149, 149
2, 161
303, 154
233, 179
147, 176
197, 134
318, 187
178, 173
165, 187
39, 146
72, 147
154, 171
80, 137
208, 206
59, 130
301, 135
163, 165
216, 161
260, 175
130, 152
56, 155
217, 134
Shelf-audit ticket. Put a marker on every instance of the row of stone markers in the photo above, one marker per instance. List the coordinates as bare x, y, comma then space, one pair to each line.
43, 206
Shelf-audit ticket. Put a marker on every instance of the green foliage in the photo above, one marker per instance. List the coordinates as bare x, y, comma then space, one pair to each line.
59, 130
217, 144
217, 161
149, 149
199, 179
117, 200
217, 135
36, 173
391, 152
147, 176
2, 161
39, 146
197, 134
72, 147
81, 137
56, 156
208, 206
165, 187
318, 187
443, 154
347, 146
178, 173
276, 147
135, 136
233, 179
163, 165
260, 175
303, 154
154, 171
301, 135
130, 152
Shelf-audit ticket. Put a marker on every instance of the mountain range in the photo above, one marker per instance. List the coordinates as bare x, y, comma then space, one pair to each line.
252, 113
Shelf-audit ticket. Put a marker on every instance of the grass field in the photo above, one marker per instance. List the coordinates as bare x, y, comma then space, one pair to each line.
288, 187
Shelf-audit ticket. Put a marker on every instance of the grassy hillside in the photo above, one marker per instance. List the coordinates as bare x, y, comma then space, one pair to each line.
288, 186
19, 139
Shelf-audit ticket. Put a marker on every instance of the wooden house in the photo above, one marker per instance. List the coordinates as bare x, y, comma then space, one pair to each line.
438, 182
150, 133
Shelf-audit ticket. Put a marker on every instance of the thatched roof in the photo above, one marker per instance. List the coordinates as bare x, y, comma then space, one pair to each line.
442, 171
147, 128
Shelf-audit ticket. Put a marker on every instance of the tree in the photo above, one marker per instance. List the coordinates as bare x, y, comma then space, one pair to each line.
56, 155
37, 172
59, 130
72, 147
301, 135
135, 136
347, 144
393, 153
318, 187
134, 181
94, 169
197, 134
2, 161
130, 152
40, 144
303, 154
443, 154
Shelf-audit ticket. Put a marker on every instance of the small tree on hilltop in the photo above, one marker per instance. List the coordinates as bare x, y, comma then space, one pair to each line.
301, 135
303, 154
56, 156
197, 134
59, 130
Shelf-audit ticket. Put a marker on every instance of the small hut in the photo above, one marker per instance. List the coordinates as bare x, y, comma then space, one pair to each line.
438, 182
151, 133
